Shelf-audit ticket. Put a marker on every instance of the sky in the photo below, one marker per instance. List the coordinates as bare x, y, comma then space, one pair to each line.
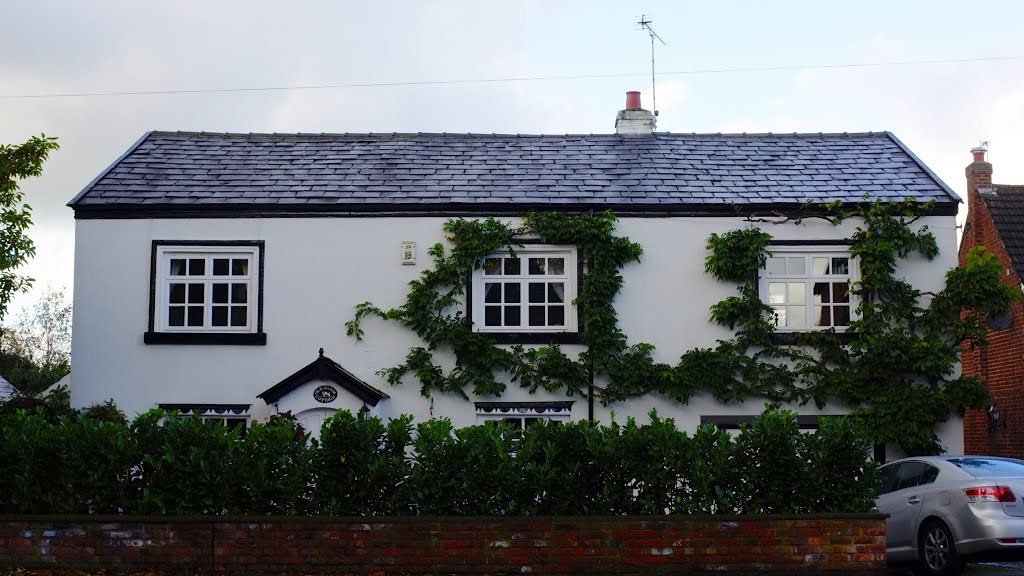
719, 71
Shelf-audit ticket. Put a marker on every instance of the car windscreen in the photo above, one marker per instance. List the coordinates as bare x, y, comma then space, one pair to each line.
989, 467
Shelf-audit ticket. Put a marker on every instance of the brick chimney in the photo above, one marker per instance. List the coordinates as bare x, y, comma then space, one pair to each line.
634, 120
979, 181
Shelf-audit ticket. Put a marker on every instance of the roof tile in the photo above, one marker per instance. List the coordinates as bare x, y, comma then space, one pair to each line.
180, 169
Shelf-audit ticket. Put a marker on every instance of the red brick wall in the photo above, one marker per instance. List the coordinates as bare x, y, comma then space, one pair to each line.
620, 545
1000, 364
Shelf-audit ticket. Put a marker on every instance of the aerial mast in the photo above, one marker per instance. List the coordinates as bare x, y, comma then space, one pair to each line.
645, 24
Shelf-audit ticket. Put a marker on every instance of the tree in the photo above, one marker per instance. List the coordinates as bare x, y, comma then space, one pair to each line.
42, 333
17, 162
36, 350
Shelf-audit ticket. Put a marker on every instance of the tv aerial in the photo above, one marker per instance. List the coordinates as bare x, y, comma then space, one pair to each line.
645, 24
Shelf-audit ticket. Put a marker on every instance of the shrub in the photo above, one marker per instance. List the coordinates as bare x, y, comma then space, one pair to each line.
106, 412
186, 465
270, 468
364, 466
770, 467
360, 465
709, 486
845, 475
35, 465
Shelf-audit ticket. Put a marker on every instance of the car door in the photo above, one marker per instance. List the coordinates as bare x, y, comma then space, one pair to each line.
888, 503
912, 482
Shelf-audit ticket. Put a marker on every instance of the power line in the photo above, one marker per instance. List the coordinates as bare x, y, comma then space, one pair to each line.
501, 80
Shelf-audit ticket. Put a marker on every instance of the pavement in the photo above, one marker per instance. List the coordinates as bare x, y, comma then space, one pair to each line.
986, 569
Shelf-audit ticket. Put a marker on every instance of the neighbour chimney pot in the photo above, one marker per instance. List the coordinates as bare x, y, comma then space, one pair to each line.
979, 153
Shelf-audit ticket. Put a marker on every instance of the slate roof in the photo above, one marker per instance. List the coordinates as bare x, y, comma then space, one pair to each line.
7, 390
475, 172
1006, 205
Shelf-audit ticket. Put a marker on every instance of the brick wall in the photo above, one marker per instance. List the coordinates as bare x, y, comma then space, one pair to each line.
814, 544
1001, 364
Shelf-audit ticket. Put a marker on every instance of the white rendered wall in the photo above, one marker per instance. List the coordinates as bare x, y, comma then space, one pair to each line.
318, 269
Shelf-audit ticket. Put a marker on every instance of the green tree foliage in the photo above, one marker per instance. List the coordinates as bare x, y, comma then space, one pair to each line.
17, 162
162, 464
28, 377
35, 350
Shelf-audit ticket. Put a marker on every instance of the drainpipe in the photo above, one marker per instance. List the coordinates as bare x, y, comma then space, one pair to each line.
590, 369
590, 393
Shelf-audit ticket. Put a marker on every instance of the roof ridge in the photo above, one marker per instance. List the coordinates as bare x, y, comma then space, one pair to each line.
382, 135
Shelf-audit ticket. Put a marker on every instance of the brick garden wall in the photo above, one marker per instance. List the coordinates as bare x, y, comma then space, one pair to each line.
851, 543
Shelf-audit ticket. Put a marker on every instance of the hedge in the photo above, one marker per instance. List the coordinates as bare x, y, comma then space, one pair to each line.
366, 466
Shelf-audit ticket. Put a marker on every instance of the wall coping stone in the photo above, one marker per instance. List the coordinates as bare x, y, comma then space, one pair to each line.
401, 519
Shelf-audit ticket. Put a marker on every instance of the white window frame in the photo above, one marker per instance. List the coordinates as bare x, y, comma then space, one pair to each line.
569, 277
522, 414
809, 252
218, 414
166, 252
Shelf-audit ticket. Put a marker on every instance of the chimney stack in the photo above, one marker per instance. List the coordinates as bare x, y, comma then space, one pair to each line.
634, 120
979, 181
979, 173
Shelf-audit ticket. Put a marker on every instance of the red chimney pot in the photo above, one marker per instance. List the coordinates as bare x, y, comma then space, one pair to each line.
632, 100
979, 153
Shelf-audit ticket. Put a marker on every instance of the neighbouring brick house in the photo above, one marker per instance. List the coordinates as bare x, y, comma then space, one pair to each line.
995, 219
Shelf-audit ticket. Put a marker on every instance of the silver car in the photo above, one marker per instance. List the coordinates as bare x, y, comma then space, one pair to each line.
947, 510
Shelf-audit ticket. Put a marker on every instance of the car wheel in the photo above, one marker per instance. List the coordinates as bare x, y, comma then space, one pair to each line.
937, 552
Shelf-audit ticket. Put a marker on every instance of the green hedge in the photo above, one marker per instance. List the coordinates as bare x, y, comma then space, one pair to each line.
365, 466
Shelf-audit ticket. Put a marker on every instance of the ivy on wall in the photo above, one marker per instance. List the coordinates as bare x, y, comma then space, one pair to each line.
895, 365
429, 305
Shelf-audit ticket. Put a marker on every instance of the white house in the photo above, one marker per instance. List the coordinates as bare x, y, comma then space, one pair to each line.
217, 271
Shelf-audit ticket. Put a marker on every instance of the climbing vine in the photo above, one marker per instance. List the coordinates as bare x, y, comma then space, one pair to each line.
428, 309
894, 365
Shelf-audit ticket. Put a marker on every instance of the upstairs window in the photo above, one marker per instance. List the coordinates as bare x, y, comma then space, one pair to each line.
530, 291
206, 289
809, 289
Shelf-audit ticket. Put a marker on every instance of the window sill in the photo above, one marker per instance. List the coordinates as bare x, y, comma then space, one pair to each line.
533, 337
808, 337
205, 338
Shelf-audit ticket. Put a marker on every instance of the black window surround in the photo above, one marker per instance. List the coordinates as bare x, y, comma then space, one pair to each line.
524, 336
257, 338
734, 422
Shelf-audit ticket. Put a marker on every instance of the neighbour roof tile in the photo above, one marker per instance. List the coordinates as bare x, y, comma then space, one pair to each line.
1006, 205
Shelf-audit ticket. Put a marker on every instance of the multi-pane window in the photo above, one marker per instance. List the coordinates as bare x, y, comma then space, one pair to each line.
522, 415
809, 289
531, 290
230, 415
207, 288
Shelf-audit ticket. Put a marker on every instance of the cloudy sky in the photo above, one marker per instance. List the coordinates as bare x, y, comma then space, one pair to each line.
728, 66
